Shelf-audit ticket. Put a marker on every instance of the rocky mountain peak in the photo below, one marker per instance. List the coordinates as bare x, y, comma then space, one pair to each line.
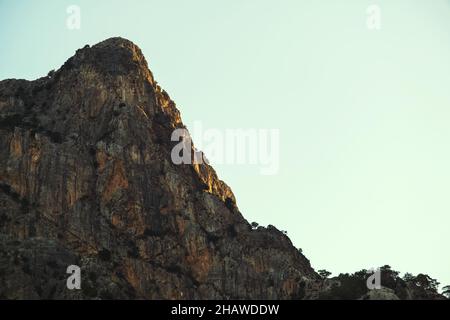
114, 56
86, 179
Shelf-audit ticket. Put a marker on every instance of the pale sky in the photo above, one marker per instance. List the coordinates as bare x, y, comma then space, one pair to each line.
364, 116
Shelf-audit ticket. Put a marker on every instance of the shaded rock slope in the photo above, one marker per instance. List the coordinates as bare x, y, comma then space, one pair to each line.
86, 179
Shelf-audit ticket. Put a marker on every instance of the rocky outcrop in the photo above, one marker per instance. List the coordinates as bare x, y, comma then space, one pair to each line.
86, 179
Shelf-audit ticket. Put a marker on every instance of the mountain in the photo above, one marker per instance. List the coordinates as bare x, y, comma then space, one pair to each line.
86, 179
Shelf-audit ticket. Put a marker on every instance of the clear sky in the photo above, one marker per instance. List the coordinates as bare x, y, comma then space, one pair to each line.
364, 116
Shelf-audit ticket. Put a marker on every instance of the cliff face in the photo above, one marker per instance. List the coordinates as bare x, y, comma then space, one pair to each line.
86, 178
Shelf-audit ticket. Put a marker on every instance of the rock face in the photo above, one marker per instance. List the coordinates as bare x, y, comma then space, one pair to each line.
86, 179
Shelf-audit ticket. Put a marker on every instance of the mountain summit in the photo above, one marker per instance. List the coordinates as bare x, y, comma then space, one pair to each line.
86, 179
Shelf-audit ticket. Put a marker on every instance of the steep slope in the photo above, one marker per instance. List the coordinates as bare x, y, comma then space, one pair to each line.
86, 178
